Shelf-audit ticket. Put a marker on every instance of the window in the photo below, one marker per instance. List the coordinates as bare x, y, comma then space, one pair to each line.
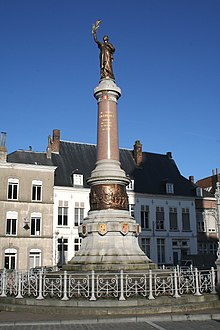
131, 185
159, 218
77, 244
131, 209
34, 258
63, 213
160, 250
169, 188
173, 218
145, 245
11, 223
35, 226
185, 219
144, 216
10, 259
79, 213
13, 189
36, 190
201, 226
198, 192
213, 247
200, 221
77, 179
202, 248
62, 244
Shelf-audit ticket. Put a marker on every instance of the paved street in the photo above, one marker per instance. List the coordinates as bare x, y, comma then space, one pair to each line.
21, 320
148, 325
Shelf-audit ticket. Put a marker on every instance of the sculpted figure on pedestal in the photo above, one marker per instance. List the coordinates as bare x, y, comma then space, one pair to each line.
106, 54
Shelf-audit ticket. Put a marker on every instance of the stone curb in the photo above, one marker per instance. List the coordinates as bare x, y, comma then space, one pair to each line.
135, 319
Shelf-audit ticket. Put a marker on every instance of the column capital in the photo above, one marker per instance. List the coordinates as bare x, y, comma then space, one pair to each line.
108, 88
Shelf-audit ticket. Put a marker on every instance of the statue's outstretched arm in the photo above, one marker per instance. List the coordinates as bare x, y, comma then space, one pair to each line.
94, 29
95, 38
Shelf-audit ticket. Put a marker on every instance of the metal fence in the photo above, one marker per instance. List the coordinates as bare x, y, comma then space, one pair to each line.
96, 285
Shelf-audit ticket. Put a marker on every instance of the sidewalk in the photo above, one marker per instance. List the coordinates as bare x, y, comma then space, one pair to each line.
25, 318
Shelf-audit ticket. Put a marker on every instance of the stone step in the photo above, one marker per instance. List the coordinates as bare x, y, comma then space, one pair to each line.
112, 308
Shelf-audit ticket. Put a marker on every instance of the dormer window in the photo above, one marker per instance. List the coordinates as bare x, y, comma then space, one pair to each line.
131, 185
77, 178
169, 188
198, 192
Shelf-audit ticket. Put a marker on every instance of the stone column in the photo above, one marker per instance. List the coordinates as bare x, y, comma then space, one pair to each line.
108, 181
110, 234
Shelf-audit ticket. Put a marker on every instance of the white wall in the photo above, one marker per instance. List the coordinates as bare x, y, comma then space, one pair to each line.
70, 232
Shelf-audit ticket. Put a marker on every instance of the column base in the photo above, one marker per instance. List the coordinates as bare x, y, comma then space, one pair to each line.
109, 243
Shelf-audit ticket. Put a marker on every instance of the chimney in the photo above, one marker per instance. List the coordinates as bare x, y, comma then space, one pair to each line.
138, 153
169, 155
191, 178
55, 143
3, 150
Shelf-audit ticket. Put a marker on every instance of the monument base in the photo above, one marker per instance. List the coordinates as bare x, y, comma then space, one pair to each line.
110, 243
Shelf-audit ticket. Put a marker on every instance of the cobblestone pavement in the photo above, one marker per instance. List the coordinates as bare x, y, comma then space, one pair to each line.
148, 325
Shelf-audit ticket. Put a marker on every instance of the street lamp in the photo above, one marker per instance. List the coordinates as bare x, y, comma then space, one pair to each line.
55, 246
61, 249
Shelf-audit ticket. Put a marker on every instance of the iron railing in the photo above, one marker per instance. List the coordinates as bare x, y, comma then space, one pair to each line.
120, 285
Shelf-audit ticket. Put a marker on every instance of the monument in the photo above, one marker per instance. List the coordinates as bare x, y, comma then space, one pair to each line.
110, 234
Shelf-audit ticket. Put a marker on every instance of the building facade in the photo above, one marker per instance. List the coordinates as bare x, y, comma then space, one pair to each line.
160, 199
207, 217
26, 214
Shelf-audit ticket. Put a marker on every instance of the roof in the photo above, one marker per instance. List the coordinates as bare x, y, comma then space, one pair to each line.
156, 169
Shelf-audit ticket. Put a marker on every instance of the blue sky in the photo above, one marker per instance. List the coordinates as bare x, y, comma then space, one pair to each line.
167, 63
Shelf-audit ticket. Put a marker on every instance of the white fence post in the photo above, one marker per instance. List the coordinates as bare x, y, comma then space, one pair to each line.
150, 286
93, 287
19, 295
197, 293
3, 288
122, 297
213, 280
176, 294
178, 270
65, 297
40, 296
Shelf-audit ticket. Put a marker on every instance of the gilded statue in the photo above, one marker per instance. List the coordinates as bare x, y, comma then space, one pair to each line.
106, 53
